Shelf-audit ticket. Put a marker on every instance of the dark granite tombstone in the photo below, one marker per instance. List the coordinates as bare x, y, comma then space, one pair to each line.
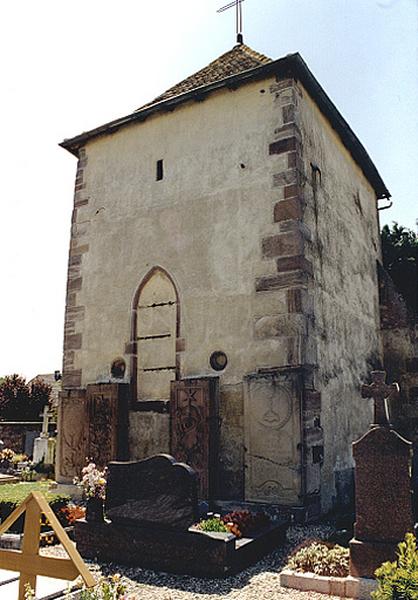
149, 507
156, 491
383, 487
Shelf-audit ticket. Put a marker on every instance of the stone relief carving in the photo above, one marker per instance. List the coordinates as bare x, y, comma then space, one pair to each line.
193, 426
101, 428
74, 449
272, 433
93, 424
190, 430
72, 436
270, 488
278, 413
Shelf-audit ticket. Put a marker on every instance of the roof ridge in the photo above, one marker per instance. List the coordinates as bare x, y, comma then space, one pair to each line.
240, 58
241, 47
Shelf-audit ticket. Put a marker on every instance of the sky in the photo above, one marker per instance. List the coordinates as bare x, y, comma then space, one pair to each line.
68, 66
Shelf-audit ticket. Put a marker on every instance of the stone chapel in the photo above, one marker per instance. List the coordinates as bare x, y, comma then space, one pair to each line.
222, 298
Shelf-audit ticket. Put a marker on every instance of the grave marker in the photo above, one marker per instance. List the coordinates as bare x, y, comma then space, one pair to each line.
150, 505
194, 429
40, 447
380, 392
156, 491
382, 487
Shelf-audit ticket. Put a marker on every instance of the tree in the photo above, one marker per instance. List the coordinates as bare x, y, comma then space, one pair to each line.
21, 402
400, 259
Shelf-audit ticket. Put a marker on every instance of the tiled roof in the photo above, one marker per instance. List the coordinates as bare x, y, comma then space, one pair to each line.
240, 58
237, 67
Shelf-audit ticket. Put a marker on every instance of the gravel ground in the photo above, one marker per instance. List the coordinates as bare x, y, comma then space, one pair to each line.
259, 582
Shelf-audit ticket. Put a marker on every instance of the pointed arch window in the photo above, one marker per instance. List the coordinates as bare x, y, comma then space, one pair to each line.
156, 325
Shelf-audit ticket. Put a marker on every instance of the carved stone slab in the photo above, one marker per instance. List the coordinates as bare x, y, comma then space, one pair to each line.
272, 435
72, 434
157, 491
194, 424
92, 424
107, 413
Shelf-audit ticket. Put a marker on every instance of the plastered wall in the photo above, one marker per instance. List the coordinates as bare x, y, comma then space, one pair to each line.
202, 223
268, 231
340, 212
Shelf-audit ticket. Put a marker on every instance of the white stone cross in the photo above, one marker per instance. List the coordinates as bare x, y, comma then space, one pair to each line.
45, 422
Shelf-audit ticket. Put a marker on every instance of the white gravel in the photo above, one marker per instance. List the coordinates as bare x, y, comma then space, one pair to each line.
258, 582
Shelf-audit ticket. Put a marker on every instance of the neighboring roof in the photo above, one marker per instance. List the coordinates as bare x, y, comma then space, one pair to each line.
240, 58
56, 386
237, 67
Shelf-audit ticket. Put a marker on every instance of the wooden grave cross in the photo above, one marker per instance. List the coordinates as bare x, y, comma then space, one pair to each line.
380, 392
28, 561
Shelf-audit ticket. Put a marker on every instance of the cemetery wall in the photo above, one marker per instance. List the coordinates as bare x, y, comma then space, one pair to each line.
340, 212
19, 436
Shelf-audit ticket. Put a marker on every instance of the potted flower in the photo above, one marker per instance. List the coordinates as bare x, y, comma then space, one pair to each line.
93, 484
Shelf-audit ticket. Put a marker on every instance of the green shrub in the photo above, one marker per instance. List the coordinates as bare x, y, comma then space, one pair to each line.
399, 580
322, 559
20, 401
13, 494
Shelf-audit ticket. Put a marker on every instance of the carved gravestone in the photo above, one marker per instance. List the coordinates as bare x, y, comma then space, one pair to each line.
382, 487
157, 491
107, 418
92, 424
72, 434
194, 428
272, 439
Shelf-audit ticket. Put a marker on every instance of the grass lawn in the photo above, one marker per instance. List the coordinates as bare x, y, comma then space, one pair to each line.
17, 492
13, 494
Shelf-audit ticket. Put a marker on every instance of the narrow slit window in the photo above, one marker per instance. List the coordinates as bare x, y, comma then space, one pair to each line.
160, 170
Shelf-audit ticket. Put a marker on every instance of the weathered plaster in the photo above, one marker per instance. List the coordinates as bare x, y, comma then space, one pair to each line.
341, 215
203, 223
271, 266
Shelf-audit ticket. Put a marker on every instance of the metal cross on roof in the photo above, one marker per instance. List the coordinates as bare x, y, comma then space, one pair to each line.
238, 17
380, 392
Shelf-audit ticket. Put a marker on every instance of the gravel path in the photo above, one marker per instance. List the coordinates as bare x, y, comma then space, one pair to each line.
259, 582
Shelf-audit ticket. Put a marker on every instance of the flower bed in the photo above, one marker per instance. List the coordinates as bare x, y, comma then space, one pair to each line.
321, 558
239, 523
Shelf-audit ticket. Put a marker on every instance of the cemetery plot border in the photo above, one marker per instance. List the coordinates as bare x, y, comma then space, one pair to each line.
173, 550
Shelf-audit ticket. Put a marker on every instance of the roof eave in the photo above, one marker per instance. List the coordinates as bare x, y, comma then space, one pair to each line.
291, 65
75, 143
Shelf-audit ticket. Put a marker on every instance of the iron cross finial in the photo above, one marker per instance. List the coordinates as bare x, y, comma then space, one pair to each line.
238, 17
380, 391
